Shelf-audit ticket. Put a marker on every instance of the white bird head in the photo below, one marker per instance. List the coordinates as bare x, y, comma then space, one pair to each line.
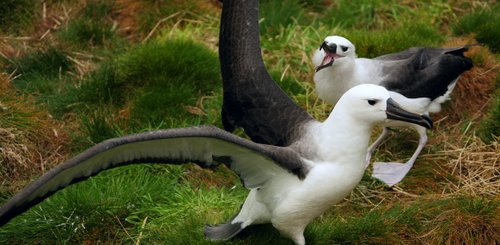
373, 104
333, 50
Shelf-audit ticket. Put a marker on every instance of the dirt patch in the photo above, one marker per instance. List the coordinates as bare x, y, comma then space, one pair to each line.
126, 11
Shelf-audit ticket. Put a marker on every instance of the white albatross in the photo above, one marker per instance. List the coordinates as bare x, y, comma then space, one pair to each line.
289, 186
419, 79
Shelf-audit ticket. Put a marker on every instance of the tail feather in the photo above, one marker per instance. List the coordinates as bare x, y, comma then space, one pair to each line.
223, 232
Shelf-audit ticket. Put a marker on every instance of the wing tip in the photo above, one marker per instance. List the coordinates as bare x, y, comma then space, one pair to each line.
222, 232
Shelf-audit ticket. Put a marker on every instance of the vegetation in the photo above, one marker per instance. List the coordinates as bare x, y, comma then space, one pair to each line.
74, 73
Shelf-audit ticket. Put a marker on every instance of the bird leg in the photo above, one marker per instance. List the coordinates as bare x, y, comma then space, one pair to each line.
374, 146
392, 173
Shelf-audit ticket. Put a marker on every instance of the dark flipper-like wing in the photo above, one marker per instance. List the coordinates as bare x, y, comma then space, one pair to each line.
207, 146
252, 99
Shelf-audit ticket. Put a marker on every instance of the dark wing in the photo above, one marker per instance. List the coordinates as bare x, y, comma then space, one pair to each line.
206, 146
424, 72
252, 99
405, 54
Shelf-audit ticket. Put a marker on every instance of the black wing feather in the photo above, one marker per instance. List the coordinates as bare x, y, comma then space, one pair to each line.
252, 99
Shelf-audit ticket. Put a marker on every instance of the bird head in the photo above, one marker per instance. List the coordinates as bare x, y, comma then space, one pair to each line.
333, 48
373, 104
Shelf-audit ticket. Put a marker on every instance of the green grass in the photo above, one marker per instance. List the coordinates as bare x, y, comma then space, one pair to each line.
49, 63
489, 129
43, 72
173, 80
377, 15
276, 15
484, 23
143, 81
91, 27
16, 15
94, 206
154, 11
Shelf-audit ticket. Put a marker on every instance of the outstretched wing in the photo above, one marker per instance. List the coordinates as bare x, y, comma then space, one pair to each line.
207, 146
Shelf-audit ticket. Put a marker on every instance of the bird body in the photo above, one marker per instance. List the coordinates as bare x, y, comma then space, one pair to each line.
420, 79
289, 186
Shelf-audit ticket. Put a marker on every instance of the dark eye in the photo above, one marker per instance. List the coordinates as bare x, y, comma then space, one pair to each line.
344, 48
372, 102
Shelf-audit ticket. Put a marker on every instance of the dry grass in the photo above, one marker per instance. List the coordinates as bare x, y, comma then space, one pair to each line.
474, 90
456, 225
472, 229
31, 142
475, 165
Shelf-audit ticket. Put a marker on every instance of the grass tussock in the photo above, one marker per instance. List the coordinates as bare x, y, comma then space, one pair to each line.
484, 23
140, 84
40, 71
463, 218
29, 140
92, 26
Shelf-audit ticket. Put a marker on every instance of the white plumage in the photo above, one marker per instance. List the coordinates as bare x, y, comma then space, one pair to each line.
419, 79
289, 186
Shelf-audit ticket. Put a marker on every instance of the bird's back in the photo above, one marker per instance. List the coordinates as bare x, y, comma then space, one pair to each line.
424, 72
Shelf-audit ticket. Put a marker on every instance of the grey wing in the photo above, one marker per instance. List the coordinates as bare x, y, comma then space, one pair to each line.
429, 52
405, 54
206, 146
425, 72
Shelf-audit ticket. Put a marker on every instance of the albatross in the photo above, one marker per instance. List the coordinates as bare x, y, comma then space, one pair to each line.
289, 186
419, 79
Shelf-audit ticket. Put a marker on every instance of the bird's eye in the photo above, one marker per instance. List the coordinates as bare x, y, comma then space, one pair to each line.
372, 102
344, 48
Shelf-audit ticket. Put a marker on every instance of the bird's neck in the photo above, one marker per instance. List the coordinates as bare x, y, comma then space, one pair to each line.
334, 81
343, 139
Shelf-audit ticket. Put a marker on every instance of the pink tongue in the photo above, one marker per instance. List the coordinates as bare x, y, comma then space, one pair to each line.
327, 59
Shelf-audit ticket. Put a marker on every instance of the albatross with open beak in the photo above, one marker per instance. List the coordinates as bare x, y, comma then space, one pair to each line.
419, 79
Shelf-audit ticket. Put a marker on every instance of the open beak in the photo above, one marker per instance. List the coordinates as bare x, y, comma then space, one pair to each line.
395, 112
330, 55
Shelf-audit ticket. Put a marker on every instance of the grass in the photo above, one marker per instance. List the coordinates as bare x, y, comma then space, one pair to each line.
490, 127
30, 141
276, 15
17, 14
113, 68
41, 72
91, 26
484, 23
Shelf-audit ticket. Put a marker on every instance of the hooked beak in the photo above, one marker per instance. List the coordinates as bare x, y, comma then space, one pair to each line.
395, 112
330, 55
